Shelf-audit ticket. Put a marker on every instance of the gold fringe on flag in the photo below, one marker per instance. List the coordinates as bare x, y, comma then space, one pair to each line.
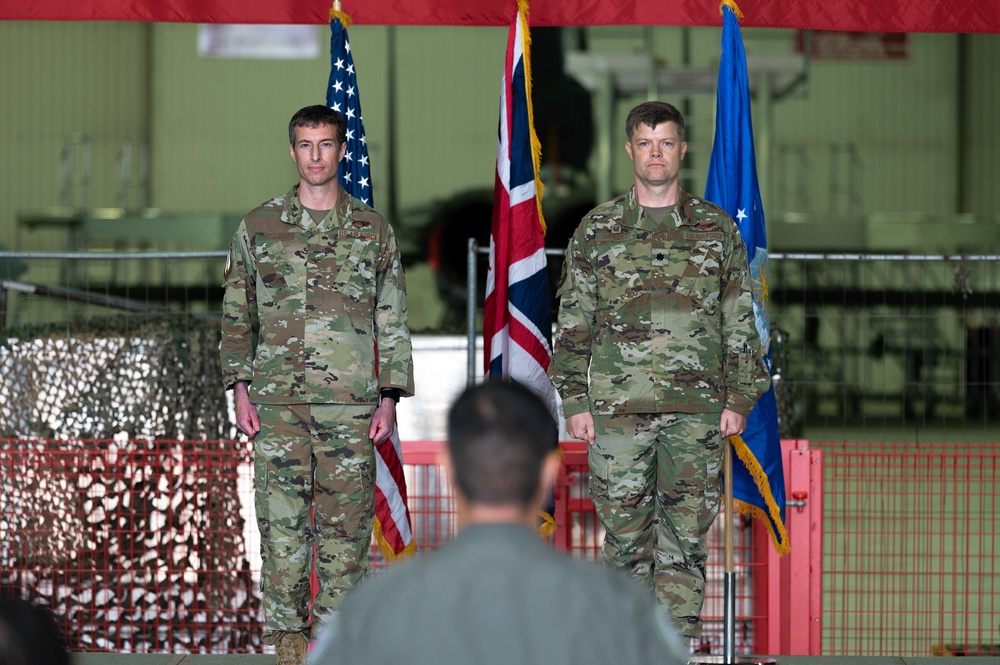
732, 5
547, 523
779, 538
344, 19
536, 145
386, 550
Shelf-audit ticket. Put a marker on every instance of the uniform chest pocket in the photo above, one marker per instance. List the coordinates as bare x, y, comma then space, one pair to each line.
622, 270
353, 267
275, 260
702, 277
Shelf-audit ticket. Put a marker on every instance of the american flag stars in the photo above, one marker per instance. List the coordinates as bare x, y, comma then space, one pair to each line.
343, 97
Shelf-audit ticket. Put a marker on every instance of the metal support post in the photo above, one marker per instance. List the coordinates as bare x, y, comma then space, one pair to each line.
470, 313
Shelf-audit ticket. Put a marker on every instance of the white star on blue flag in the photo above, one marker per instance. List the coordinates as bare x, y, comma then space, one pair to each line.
733, 186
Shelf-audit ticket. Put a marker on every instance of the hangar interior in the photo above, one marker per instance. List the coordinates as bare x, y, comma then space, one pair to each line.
124, 137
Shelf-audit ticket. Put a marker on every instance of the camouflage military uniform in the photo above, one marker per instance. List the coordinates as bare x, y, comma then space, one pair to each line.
307, 305
655, 338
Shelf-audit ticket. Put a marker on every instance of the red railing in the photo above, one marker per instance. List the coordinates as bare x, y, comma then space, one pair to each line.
911, 549
135, 545
152, 546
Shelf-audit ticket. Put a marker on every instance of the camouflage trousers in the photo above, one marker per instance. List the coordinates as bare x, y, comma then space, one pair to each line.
298, 443
655, 479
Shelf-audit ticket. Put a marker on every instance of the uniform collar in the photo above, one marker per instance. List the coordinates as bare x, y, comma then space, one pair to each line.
295, 213
636, 217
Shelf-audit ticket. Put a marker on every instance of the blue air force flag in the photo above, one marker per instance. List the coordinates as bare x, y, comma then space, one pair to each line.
758, 482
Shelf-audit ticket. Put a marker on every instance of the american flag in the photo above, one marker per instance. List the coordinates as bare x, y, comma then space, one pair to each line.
342, 97
517, 322
758, 483
392, 517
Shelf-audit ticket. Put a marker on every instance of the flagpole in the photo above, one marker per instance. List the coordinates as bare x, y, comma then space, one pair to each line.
729, 616
732, 104
729, 656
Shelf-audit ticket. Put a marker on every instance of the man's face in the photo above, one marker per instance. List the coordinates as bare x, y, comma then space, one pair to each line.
316, 153
656, 153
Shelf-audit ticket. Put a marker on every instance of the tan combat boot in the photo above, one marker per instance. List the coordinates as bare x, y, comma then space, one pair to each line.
291, 649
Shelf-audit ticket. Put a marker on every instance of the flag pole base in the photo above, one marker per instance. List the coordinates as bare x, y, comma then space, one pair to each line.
739, 660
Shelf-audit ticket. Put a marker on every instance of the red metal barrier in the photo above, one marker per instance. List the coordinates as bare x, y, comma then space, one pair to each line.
912, 546
152, 545
135, 545
149, 546
788, 589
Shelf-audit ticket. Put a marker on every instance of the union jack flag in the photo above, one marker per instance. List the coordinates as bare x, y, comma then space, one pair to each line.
392, 517
517, 323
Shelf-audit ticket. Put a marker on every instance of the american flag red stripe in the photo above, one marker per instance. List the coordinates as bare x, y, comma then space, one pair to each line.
517, 323
392, 518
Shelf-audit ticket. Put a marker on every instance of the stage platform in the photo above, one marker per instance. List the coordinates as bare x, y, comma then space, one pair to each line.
246, 659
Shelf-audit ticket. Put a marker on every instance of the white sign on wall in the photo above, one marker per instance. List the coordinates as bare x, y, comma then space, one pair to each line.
266, 42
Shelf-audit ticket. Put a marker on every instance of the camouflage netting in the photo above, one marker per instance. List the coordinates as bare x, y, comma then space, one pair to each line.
144, 377
119, 505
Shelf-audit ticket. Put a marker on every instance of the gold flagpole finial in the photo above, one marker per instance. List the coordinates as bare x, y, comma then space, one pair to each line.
337, 13
732, 5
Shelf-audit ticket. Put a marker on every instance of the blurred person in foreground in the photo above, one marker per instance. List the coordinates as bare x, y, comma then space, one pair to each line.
656, 361
29, 635
498, 594
316, 349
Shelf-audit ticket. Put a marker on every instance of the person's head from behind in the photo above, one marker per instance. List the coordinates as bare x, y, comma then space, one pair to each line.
502, 444
29, 635
318, 116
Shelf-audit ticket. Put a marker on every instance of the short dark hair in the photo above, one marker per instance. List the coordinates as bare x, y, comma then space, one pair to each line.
317, 116
652, 114
499, 433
